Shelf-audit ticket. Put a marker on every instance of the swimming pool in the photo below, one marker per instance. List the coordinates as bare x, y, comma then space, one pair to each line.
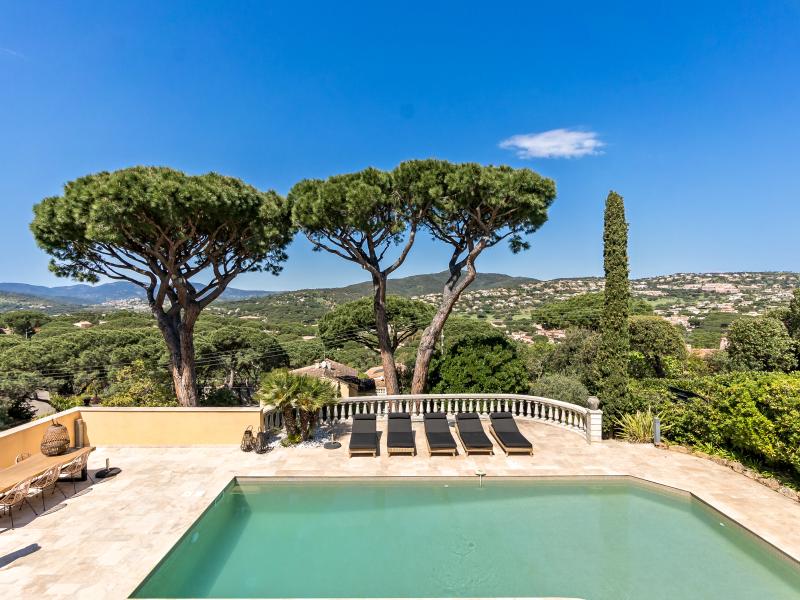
608, 538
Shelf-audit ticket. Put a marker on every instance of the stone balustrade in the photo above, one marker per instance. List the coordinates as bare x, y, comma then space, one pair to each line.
584, 421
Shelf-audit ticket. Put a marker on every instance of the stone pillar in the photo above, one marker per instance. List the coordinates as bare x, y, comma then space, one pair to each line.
594, 420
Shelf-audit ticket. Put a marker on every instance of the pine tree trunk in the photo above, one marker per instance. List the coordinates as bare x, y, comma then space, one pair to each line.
384, 340
178, 331
427, 344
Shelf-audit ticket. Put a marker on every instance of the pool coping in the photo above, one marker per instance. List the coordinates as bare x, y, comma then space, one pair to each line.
641, 481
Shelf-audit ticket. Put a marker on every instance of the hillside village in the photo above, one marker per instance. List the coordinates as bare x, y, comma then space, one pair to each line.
702, 303
685, 299
678, 295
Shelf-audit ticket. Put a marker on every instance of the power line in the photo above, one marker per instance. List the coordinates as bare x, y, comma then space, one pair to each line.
210, 360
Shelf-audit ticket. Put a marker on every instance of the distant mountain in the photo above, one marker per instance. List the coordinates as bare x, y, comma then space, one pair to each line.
431, 283
86, 295
55, 304
307, 306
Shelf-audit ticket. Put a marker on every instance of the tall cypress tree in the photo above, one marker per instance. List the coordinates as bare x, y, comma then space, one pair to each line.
615, 343
792, 320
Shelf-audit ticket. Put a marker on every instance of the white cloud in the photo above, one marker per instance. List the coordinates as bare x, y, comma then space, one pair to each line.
556, 143
11, 52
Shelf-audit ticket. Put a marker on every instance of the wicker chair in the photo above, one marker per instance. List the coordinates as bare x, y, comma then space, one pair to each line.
45, 481
74, 468
14, 498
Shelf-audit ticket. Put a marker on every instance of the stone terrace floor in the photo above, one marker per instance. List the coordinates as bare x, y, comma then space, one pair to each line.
102, 542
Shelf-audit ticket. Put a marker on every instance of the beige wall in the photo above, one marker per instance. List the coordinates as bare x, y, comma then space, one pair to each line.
168, 426
28, 437
107, 426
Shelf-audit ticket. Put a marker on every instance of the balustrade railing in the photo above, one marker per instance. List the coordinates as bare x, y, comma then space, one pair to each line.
579, 419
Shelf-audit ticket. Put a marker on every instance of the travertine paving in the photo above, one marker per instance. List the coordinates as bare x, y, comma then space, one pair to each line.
102, 542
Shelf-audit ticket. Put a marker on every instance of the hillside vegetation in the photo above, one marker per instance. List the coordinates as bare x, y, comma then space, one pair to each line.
53, 305
703, 304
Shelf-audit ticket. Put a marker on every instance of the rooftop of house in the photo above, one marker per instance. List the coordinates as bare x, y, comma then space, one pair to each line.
328, 369
376, 372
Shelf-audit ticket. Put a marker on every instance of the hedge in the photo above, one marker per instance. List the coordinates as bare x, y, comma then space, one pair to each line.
750, 413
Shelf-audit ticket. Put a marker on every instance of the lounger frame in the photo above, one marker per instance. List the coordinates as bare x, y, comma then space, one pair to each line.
471, 449
412, 451
366, 451
363, 452
508, 450
439, 451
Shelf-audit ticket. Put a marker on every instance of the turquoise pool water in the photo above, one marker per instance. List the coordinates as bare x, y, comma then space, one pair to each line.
610, 540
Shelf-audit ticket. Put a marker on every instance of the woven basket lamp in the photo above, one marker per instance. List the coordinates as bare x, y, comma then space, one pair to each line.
55, 440
248, 440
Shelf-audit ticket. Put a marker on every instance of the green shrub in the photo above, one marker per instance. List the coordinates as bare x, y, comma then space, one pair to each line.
584, 311
561, 387
577, 354
15, 411
136, 385
291, 439
659, 344
61, 403
718, 362
700, 366
221, 397
536, 356
761, 344
24, 322
643, 395
482, 362
15, 406
754, 414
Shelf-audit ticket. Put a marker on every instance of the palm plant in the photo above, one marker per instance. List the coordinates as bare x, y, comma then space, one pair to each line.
299, 398
280, 388
314, 394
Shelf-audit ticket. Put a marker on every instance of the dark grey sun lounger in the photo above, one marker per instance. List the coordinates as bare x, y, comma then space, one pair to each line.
364, 437
438, 436
505, 431
470, 432
400, 436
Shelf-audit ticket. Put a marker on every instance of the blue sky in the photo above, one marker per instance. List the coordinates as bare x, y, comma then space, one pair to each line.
689, 110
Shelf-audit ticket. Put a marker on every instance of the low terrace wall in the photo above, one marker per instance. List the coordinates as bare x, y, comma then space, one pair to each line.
176, 427
28, 437
114, 426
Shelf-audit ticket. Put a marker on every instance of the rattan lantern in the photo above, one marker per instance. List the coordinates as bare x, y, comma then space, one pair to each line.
55, 440
261, 444
247, 440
